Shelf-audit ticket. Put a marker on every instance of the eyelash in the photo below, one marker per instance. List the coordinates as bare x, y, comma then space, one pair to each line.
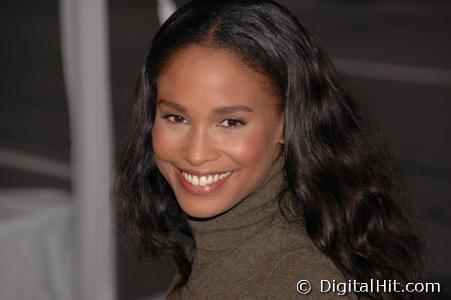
171, 118
240, 122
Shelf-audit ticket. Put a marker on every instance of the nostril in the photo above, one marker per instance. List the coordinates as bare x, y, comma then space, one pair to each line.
198, 153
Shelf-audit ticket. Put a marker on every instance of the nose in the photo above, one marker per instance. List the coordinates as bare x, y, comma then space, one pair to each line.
199, 147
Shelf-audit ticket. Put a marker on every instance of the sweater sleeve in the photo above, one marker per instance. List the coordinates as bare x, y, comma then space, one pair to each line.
292, 271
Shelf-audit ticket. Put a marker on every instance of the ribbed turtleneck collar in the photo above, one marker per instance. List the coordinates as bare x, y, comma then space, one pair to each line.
247, 218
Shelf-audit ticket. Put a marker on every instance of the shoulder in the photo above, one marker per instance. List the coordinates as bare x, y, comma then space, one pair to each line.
294, 261
298, 252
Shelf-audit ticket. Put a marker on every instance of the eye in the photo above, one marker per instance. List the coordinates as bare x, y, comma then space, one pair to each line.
232, 123
174, 118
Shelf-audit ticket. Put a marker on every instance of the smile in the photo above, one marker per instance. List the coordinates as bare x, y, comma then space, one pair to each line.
202, 184
205, 180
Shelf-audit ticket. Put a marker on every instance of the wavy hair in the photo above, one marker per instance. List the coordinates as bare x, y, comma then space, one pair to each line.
344, 187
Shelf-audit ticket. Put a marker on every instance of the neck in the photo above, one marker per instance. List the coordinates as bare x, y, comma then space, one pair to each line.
253, 213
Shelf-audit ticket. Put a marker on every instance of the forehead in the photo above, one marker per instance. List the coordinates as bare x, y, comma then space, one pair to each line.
208, 75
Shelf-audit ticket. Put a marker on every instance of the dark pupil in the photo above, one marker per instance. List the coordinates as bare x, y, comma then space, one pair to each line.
232, 123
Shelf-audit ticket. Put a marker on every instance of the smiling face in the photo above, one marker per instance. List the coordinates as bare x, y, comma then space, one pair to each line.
217, 129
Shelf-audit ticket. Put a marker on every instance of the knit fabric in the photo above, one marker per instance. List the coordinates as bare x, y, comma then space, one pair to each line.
251, 252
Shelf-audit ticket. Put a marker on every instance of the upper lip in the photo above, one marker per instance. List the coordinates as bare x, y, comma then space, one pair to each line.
201, 173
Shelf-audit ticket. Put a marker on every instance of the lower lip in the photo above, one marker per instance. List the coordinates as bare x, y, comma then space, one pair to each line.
200, 189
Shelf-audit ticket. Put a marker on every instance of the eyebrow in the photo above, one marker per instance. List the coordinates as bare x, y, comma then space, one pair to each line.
221, 110
173, 105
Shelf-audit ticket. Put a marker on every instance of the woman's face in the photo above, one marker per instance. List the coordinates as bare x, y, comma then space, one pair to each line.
217, 130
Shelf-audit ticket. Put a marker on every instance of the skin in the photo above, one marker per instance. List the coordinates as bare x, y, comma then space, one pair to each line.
200, 79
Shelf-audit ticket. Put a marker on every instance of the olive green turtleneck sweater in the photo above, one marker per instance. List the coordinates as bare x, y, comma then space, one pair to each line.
251, 252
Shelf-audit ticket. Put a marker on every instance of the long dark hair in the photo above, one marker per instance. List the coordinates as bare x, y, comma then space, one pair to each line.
344, 187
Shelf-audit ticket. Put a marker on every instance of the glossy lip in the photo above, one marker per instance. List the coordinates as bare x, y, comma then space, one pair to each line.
201, 189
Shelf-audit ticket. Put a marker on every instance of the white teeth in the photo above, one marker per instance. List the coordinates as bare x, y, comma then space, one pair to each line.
204, 180
195, 180
224, 175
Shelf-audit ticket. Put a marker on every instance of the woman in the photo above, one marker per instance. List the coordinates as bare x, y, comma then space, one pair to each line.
252, 167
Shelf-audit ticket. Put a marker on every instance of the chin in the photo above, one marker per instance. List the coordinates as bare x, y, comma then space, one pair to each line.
201, 216
200, 212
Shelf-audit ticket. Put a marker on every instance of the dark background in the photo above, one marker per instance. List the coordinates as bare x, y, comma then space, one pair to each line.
398, 53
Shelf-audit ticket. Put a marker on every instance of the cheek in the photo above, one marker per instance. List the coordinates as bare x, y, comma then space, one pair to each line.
163, 142
250, 148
